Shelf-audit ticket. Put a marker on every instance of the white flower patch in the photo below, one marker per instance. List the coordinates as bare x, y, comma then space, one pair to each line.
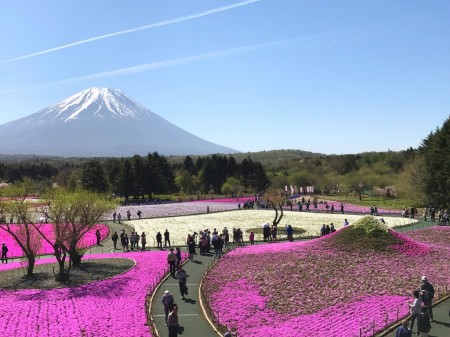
179, 227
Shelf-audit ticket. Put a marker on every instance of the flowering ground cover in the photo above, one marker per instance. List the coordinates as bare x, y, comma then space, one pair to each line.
179, 227
173, 209
224, 204
319, 288
354, 208
111, 307
88, 240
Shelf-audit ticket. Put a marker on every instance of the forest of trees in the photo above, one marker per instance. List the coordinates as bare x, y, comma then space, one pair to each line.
420, 175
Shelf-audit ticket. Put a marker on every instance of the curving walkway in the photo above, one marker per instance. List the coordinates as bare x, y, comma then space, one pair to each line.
191, 319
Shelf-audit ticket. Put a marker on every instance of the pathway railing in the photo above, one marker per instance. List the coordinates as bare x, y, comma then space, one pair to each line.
151, 293
383, 327
213, 316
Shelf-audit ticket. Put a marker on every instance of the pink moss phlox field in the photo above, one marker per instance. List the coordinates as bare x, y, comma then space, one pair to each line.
112, 307
315, 288
88, 240
409, 246
251, 317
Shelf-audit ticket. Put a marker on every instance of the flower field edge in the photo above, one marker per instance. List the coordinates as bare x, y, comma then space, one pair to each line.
69, 311
245, 306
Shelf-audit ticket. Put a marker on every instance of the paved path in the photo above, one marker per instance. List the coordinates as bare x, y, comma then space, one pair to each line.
441, 325
107, 245
192, 321
190, 316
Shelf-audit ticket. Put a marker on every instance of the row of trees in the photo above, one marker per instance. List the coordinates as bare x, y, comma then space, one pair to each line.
72, 213
434, 166
418, 175
220, 174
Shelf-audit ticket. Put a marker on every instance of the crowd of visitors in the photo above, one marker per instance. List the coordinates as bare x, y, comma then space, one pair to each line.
133, 239
327, 229
421, 311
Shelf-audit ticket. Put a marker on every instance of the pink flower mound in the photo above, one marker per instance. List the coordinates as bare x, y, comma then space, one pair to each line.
316, 289
250, 316
408, 246
113, 307
436, 235
88, 240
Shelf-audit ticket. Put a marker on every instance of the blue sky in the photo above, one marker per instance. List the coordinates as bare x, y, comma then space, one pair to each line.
324, 76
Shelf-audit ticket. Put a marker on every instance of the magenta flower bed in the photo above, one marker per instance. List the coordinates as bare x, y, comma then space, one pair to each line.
230, 200
88, 240
316, 289
113, 307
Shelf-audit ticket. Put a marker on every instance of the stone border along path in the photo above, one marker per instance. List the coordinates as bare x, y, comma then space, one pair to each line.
193, 322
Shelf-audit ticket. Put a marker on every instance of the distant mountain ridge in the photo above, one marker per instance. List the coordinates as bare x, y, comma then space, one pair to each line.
100, 122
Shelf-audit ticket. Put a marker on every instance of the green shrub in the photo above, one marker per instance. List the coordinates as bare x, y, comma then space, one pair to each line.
367, 233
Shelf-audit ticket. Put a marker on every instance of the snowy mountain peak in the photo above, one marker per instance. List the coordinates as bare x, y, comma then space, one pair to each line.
89, 104
100, 122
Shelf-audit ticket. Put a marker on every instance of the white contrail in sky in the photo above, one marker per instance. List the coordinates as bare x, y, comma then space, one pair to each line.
132, 30
169, 63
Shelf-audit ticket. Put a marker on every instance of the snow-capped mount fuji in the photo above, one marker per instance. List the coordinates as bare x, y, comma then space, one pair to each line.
100, 122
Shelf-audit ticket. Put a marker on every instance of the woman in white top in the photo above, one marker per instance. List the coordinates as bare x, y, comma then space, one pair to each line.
414, 307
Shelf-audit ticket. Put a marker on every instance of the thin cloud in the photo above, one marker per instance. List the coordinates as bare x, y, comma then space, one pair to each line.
132, 30
167, 63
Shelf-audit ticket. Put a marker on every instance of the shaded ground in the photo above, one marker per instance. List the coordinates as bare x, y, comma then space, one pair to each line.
43, 277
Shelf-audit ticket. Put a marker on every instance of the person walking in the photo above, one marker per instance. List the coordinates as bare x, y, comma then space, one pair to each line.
119, 218
4, 253
159, 240
143, 241
423, 323
181, 276
98, 236
251, 238
290, 233
191, 249
115, 238
178, 254
126, 243
172, 321
166, 238
414, 308
427, 295
137, 238
167, 302
172, 260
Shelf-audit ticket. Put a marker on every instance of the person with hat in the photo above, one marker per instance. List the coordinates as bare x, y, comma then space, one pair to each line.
167, 302
172, 260
427, 295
